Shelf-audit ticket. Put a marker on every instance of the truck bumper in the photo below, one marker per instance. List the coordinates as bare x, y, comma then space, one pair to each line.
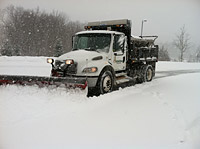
92, 81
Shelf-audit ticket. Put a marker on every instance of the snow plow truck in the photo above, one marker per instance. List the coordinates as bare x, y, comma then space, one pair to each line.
104, 57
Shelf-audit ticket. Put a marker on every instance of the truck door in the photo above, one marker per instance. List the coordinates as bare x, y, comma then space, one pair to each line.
119, 53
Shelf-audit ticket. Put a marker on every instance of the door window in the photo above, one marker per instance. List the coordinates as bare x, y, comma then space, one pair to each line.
118, 44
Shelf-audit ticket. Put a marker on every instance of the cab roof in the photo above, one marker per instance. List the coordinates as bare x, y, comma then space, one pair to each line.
99, 32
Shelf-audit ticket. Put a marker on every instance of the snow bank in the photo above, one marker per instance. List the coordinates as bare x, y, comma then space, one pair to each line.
19, 65
174, 66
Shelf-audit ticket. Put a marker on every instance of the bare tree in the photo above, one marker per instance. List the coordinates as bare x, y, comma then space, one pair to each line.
182, 42
1, 30
198, 54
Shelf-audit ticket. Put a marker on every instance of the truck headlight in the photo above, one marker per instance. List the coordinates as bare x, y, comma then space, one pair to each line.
90, 70
50, 60
69, 61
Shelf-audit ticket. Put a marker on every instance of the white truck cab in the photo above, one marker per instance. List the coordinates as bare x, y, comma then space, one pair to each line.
95, 50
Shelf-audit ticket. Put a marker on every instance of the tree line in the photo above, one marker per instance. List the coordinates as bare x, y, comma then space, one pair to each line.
32, 32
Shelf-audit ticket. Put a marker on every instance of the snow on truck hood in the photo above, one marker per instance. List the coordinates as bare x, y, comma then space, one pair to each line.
80, 55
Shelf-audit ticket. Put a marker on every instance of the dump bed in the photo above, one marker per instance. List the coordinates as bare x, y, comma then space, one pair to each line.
110, 23
139, 48
143, 48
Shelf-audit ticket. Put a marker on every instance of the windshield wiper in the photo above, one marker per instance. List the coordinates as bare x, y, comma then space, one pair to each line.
88, 49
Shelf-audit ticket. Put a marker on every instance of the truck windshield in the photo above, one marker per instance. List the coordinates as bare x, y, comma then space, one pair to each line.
92, 42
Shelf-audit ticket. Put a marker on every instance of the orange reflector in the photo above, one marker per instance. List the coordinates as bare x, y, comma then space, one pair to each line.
93, 69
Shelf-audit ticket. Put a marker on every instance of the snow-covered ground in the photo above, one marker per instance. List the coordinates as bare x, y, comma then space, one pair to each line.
162, 114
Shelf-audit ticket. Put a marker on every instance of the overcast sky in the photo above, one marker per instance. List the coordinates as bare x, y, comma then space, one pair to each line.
165, 17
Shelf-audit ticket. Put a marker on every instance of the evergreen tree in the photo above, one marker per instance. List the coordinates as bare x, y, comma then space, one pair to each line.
163, 54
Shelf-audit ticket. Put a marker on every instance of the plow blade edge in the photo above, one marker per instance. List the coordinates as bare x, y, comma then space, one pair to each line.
71, 82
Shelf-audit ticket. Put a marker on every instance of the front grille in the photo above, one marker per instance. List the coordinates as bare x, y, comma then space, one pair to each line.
58, 63
64, 69
71, 69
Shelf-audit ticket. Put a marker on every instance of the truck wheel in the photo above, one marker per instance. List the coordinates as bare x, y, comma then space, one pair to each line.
148, 73
106, 81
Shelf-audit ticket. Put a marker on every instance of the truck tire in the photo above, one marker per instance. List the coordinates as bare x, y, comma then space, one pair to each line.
106, 81
148, 73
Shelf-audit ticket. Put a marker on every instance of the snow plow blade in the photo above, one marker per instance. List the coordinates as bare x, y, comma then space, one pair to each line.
68, 82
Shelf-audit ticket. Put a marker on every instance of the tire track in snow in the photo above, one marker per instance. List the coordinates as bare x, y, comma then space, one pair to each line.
175, 114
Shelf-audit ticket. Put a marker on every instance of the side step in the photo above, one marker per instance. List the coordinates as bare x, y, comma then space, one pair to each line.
124, 81
120, 74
